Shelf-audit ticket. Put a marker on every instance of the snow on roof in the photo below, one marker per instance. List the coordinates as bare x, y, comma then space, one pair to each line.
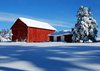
58, 33
37, 24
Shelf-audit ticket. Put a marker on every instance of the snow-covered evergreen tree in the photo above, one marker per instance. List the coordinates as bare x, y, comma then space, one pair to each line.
86, 27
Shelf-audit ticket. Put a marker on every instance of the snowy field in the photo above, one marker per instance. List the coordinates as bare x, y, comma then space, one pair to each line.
49, 56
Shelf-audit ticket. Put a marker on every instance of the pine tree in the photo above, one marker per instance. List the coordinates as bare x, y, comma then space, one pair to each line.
86, 27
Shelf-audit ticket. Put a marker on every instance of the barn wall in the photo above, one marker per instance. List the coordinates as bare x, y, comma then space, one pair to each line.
68, 38
19, 31
51, 38
59, 38
38, 35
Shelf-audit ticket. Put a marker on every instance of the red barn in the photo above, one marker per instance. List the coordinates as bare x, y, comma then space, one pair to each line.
31, 30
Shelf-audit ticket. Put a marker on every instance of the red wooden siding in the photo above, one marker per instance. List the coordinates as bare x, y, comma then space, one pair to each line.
38, 35
51, 38
19, 31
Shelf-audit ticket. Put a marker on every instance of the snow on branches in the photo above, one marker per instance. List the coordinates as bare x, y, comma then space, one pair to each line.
86, 27
5, 35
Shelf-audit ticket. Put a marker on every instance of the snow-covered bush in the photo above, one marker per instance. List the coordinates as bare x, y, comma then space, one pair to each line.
5, 35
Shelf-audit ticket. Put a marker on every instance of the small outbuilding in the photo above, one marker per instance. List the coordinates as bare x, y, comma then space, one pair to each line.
61, 36
29, 30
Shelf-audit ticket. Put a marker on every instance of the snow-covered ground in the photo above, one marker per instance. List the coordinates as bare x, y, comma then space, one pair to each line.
49, 44
49, 56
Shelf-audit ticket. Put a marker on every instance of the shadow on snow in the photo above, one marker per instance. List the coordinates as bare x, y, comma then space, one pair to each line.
51, 58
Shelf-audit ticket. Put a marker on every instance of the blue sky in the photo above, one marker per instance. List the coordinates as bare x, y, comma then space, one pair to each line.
59, 13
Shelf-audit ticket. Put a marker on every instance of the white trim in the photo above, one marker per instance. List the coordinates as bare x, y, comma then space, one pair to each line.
55, 38
62, 38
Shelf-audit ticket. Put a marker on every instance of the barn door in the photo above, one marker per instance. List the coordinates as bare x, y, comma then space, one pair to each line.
58, 38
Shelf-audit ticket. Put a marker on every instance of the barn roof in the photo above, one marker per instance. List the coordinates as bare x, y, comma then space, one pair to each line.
37, 24
59, 33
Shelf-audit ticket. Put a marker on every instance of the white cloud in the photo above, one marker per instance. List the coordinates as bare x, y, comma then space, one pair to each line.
61, 25
6, 19
58, 23
10, 17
